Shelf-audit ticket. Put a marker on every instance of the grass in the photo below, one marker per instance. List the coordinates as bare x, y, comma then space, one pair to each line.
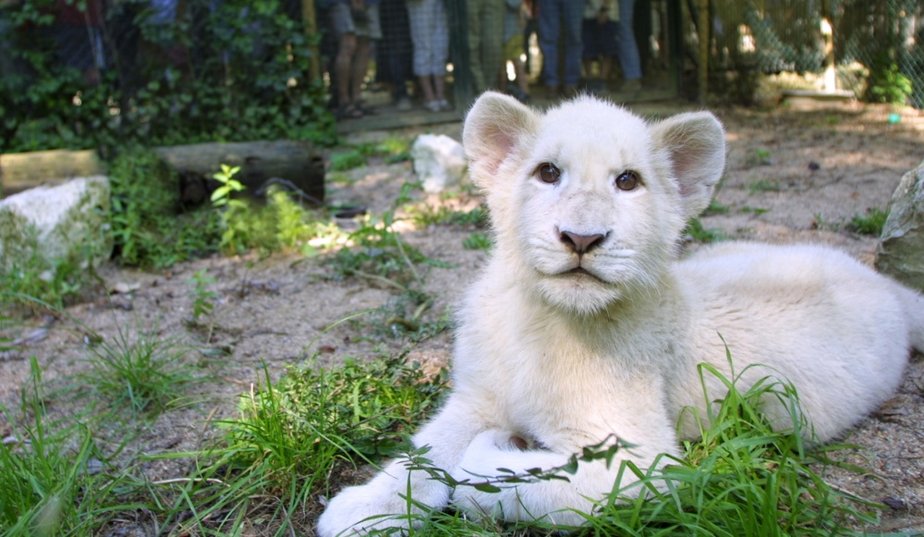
297, 437
478, 241
870, 223
141, 372
51, 479
698, 233
764, 185
292, 436
425, 216
391, 150
740, 478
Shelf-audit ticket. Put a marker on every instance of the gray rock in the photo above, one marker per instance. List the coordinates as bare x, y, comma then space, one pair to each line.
439, 161
49, 225
900, 252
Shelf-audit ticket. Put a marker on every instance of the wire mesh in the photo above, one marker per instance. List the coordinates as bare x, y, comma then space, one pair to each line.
877, 46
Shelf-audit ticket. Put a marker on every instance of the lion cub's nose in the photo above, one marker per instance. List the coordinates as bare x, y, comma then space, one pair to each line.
581, 244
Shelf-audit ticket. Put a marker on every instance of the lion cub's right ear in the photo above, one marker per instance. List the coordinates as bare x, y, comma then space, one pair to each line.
493, 128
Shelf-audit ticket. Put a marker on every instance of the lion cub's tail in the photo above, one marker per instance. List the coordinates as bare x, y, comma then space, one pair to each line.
913, 303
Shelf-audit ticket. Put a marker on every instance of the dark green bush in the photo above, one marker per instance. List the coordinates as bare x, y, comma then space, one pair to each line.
231, 70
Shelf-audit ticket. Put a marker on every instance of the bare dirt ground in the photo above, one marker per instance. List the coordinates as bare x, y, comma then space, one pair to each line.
791, 176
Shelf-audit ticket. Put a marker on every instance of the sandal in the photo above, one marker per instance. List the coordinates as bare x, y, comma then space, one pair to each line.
364, 109
349, 111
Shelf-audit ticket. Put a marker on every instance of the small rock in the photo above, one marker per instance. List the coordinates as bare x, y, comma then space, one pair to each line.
123, 288
67, 221
439, 161
896, 504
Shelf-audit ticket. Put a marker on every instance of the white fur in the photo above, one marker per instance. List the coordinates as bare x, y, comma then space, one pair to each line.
567, 359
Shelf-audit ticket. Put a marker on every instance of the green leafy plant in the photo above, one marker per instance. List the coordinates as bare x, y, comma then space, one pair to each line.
203, 297
148, 228
888, 84
234, 70
869, 224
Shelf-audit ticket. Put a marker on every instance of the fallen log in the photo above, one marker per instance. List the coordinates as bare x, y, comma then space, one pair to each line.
293, 164
22, 171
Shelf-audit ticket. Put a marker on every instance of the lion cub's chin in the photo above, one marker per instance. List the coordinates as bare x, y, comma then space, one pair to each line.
579, 294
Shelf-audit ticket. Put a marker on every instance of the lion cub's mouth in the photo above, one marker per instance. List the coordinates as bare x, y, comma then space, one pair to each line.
581, 272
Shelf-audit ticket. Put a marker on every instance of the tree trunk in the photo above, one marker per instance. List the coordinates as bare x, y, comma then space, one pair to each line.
288, 163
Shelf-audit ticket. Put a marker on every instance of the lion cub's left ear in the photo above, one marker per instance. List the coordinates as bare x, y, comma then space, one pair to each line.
695, 144
493, 128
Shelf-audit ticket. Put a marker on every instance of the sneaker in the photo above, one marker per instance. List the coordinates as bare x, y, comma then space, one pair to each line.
443, 104
433, 106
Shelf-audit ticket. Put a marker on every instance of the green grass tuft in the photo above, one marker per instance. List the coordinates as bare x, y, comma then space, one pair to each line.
869, 224
141, 372
698, 233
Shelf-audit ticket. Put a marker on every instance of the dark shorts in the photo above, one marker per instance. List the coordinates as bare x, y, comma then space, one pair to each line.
600, 40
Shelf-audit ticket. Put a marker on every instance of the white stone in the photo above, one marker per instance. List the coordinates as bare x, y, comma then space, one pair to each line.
439, 161
900, 253
69, 222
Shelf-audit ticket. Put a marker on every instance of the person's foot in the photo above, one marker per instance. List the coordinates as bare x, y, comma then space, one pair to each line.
631, 86
569, 91
433, 106
348, 111
443, 104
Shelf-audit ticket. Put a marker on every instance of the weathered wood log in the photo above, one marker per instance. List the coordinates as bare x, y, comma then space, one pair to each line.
295, 163
22, 171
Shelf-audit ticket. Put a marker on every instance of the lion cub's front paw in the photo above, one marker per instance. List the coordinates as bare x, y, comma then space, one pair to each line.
380, 504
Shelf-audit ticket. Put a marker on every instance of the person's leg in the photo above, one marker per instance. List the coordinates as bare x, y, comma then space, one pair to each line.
548, 22
426, 87
628, 48
342, 67
359, 68
421, 37
572, 14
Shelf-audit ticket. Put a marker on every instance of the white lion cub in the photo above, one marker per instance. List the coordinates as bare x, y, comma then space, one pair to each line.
584, 325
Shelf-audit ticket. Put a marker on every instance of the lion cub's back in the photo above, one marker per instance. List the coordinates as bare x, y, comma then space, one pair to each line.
831, 325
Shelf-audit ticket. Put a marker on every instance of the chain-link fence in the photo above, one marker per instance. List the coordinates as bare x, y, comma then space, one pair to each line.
91, 72
875, 48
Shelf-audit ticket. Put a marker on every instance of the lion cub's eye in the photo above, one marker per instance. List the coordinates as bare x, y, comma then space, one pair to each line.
548, 173
628, 180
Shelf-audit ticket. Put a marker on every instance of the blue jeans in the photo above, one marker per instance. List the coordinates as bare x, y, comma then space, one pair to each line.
555, 16
628, 48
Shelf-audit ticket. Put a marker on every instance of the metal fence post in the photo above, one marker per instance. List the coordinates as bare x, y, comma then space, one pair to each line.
458, 46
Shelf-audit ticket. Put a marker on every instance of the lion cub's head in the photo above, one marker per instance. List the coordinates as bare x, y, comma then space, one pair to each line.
588, 200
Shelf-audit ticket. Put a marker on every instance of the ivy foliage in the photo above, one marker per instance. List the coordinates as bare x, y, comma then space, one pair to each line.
216, 70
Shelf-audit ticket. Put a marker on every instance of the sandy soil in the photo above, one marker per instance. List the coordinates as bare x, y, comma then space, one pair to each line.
791, 176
